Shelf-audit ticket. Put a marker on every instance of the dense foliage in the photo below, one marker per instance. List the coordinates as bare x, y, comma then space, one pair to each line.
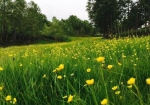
23, 22
73, 26
20, 20
113, 17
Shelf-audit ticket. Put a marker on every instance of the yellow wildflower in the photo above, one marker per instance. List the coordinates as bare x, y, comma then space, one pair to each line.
54, 70
100, 59
119, 64
70, 98
130, 86
1, 69
14, 100
117, 92
123, 56
114, 88
10, 55
104, 102
72, 74
64, 96
131, 81
90, 82
58, 69
88, 70
20, 64
8, 98
61, 66
44, 76
1, 87
110, 66
59, 77
148, 81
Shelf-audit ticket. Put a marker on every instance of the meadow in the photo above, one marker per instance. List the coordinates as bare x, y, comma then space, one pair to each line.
86, 71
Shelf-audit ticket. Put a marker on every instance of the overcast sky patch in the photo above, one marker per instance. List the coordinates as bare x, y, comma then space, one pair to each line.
62, 9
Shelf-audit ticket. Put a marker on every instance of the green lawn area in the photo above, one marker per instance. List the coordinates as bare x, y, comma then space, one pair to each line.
85, 71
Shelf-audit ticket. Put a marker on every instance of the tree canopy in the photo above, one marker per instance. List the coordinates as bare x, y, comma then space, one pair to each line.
116, 16
23, 21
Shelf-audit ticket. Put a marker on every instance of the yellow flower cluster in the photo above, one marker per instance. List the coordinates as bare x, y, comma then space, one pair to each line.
115, 88
9, 98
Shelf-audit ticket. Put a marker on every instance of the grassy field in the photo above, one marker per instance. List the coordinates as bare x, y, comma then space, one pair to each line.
89, 71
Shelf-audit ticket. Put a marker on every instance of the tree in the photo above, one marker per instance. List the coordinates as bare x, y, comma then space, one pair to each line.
103, 14
16, 17
35, 20
19, 20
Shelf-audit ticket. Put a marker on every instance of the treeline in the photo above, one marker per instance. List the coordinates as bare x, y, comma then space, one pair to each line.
22, 21
120, 17
73, 26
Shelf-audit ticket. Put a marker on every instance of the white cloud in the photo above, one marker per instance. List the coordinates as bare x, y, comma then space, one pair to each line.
62, 9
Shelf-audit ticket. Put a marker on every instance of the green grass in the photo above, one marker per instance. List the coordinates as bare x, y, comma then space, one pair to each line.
28, 75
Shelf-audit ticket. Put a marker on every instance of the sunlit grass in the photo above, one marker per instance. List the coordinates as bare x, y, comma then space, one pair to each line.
89, 71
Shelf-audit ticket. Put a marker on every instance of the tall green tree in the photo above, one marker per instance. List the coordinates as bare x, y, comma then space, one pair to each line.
35, 20
103, 14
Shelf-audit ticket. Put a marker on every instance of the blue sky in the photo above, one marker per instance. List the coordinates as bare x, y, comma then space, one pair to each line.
62, 9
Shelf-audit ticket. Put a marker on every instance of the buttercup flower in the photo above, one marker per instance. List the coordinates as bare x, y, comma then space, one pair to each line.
114, 88
61, 66
72, 74
59, 77
14, 101
88, 70
123, 56
1, 87
148, 81
54, 70
64, 96
110, 66
1, 69
130, 86
119, 64
104, 102
117, 92
90, 82
70, 98
20, 64
100, 59
8, 98
131, 81
44, 76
